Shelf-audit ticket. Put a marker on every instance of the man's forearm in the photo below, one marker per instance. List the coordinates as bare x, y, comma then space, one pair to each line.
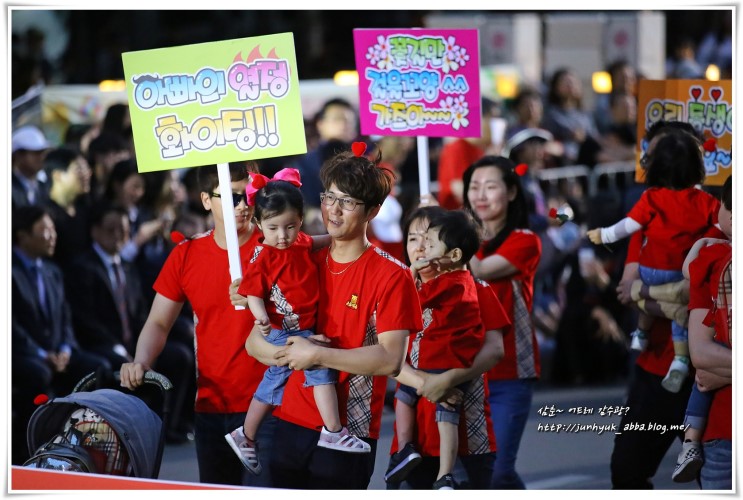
676, 292
384, 358
150, 344
706, 354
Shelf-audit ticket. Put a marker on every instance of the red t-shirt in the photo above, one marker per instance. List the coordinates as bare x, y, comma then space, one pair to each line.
493, 315
476, 434
197, 270
673, 221
704, 274
452, 332
659, 354
287, 281
454, 159
522, 249
374, 294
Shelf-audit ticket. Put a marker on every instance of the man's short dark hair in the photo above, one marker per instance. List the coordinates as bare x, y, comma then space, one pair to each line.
59, 159
101, 209
208, 175
457, 229
358, 176
24, 219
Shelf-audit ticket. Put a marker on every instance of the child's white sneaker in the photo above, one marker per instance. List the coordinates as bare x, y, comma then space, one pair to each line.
689, 462
639, 340
247, 454
342, 441
677, 373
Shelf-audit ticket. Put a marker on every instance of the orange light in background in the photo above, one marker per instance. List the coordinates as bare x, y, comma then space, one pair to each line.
506, 85
346, 78
713, 73
112, 86
601, 82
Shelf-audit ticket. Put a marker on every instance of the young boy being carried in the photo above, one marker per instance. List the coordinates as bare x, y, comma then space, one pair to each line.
451, 337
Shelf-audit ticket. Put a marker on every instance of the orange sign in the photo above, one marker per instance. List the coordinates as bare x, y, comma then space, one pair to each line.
706, 105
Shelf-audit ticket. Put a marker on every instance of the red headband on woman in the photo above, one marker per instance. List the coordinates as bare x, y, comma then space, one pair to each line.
258, 181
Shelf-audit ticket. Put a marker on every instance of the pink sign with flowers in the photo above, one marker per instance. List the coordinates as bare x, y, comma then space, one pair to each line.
420, 82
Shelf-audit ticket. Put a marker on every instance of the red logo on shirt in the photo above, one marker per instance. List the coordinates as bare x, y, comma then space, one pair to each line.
354, 302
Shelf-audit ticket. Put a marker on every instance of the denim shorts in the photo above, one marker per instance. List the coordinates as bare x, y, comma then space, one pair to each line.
717, 471
271, 389
410, 397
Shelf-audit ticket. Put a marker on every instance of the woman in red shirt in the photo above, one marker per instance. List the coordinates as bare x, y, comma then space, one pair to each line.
507, 260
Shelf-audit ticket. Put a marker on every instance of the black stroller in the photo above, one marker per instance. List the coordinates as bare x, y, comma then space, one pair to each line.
103, 431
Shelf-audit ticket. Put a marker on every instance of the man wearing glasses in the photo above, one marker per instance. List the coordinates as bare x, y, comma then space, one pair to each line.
368, 305
197, 270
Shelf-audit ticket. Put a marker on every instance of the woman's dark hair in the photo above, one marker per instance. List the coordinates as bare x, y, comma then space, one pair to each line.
419, 213
457, 229
664, 127
359, 176
553, 97
517, 215
676, 162
275, 197
119, 174
116, 114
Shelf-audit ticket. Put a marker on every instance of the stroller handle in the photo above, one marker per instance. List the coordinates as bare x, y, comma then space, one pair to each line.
151, 377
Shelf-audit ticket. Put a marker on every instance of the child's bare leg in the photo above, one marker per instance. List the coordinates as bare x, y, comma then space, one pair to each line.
257, 411
327, 404
644, 322
448, 444
404, 423
693, 434
681, 348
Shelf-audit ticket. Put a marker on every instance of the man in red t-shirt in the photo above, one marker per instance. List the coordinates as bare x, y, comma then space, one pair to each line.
637, 455
710, 344
197, 271
368, 306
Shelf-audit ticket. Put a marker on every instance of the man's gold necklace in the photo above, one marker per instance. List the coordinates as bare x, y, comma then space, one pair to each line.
366, 247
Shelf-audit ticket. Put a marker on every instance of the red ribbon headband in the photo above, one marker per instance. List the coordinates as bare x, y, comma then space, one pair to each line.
258, 181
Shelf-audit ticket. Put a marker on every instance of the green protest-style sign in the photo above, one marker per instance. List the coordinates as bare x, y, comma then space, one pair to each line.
214, 103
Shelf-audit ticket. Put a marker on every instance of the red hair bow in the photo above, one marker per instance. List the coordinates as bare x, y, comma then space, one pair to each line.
358, 148
710, 145
258, 181
521, 169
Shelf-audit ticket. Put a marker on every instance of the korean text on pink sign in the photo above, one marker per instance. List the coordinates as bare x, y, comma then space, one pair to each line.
420, 82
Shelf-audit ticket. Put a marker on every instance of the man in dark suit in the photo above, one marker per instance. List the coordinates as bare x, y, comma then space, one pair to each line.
46, 357
104, 290
109, 310
29, 184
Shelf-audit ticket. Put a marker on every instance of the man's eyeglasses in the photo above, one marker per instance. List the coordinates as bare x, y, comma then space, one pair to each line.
236, 198
347, 204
